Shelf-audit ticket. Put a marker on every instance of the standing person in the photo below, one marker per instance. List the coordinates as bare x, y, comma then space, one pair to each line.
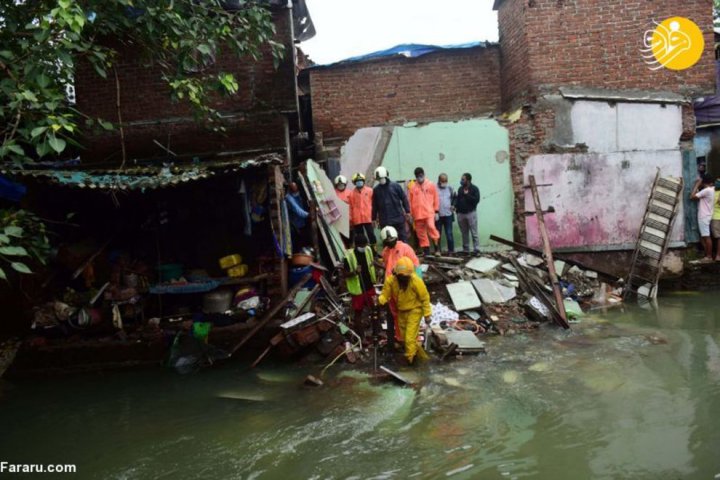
466, 203
393, 250
361, 200
341, 189
360, 278
704, 192
298, 215
413, 303
715, 221
390, 206
425, 208
446, 218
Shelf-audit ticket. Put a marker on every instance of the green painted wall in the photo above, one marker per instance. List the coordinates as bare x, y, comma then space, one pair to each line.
478, 146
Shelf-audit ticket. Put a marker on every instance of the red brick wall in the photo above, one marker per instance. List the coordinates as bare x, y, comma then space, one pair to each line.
596, 43
151, 115
438, 86
514, 57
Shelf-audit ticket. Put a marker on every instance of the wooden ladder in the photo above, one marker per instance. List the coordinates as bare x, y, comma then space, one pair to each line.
654, 237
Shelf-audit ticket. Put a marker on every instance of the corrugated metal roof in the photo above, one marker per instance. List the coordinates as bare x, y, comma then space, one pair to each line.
141, 178
407, 50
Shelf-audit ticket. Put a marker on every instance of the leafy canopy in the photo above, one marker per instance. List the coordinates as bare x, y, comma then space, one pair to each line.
41, 41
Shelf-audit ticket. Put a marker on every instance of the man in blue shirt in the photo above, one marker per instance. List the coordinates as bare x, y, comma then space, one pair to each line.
297, 214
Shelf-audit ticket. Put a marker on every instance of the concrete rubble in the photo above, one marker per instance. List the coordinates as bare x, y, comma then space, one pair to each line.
474, 298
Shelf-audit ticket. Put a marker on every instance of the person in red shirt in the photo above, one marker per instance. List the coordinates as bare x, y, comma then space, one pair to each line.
393, 251
341, 189
425, 210
361, 209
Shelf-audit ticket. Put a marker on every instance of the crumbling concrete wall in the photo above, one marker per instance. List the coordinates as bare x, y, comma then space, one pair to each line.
446, 85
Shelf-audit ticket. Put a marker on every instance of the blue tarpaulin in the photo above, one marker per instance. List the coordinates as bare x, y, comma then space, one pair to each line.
707, 109
407, 50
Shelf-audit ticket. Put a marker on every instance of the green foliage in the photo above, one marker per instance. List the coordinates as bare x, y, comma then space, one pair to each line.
23, 238
41, 41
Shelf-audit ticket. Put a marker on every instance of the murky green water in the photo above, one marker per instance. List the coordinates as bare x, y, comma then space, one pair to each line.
625, 395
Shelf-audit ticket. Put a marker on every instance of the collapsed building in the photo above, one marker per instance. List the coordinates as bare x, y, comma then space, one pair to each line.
565, 96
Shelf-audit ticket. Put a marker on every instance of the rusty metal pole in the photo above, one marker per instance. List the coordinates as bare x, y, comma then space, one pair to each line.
547, 251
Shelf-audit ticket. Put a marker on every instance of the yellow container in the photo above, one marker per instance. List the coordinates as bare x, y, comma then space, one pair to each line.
239, 271
230, 261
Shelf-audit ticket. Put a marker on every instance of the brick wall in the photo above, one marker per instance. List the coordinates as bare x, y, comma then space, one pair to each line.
514, 57
596, 43
439, 86
546, 44
149, 113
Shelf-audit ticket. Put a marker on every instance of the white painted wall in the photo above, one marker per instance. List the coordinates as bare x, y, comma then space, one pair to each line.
625, 127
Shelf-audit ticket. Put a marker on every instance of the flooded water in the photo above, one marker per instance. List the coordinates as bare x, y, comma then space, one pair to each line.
633, 394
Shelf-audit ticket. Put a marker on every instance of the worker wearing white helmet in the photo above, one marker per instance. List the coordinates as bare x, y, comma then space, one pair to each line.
390, 204
393, 250
341, 189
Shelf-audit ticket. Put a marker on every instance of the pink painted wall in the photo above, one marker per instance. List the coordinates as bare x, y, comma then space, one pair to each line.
599, 198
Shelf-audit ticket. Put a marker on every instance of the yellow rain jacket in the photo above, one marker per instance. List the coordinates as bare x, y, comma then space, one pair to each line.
413, 304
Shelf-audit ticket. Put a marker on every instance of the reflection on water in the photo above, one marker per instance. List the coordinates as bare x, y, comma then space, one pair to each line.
632, 394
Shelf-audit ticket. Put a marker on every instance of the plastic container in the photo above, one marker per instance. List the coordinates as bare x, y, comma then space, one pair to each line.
230, 261
297, 274
217, 301
238, 271
170, 271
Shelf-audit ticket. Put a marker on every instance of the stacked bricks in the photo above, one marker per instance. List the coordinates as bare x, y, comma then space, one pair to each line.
444, 85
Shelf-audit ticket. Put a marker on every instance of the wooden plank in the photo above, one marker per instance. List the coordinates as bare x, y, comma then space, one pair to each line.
316, 225
550, 262
276, 182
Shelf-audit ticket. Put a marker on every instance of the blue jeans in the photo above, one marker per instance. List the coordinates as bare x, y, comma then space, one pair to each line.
447, 224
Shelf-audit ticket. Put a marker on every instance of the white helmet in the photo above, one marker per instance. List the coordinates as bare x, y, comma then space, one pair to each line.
340, 179
381, 172
388, 233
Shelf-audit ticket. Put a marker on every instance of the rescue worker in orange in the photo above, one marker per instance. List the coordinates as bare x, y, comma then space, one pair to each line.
413, 303
361, 209
341, 189
393, 250
425, 210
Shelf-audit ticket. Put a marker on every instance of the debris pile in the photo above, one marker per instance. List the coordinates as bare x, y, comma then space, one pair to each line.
473, 298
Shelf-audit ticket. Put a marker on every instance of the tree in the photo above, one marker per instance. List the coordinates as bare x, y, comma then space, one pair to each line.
42, 40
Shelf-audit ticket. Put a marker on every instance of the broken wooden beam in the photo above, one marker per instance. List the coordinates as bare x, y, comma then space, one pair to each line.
524, 248
437, 258
273, 311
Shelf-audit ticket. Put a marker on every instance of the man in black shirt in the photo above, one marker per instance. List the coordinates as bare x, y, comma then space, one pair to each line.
466, 202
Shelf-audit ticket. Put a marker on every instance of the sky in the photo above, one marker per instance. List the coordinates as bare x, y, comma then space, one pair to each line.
346, 28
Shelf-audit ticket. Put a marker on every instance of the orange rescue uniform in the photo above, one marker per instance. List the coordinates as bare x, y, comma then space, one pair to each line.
424, 203
360, 206
343, 195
